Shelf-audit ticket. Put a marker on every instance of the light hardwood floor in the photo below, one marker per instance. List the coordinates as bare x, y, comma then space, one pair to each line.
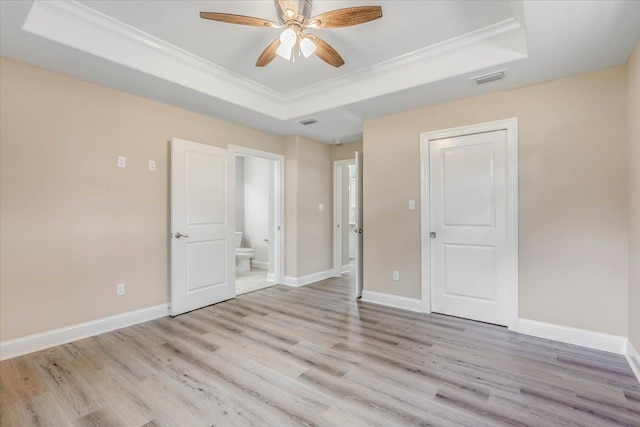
252, 281
303, 356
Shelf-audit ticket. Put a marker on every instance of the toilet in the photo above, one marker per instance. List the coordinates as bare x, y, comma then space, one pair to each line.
243, 255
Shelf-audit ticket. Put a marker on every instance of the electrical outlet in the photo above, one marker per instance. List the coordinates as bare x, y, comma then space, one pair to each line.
396, 275
321, 207
152, 165
412, 205
120, 289
122, 161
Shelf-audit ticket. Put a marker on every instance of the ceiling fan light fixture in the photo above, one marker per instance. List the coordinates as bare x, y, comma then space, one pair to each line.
307, 47
284, 51
295, 16
288, 38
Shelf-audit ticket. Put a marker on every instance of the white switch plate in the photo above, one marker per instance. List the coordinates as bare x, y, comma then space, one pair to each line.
412, 205
120, 289
396, 275
122, 161
152, 165
321, 207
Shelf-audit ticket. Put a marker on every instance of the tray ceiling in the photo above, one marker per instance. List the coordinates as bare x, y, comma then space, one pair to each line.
420, 53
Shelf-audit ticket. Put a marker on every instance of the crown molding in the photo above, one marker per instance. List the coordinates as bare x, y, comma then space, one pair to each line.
81, 27
490, 33
491, 46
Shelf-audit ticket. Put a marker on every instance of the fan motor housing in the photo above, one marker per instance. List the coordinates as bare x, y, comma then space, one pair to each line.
304, 9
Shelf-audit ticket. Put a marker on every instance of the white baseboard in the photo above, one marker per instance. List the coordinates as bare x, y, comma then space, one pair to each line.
308, 279
271, 277
260, 264
633, 357
346, 269
411, 304
582, 337
31, 343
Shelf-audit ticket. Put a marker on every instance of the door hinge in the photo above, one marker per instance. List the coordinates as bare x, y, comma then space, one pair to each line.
433, 234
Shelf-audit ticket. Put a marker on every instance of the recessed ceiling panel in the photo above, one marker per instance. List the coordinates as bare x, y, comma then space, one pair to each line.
406, 26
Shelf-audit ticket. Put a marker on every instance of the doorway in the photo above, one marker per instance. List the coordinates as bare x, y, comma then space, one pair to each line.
469, 222
258, 219
347, 220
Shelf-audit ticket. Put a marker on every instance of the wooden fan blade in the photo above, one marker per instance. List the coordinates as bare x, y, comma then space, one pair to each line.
325, 52
291, 5
238, 19
346, 17
268, 54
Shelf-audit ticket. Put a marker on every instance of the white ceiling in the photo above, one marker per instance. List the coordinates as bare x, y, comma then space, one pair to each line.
420, 53
404, 29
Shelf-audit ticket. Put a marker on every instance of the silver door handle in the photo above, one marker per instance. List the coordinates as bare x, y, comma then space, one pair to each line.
179, 235
266, 240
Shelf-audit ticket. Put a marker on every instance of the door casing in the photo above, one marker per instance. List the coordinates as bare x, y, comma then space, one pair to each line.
511, 126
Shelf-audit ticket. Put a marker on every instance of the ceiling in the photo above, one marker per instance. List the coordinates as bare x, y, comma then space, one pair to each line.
420, 53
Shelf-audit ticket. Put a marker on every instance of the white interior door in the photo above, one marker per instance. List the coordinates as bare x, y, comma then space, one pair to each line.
469, 262
202, 225
359, 228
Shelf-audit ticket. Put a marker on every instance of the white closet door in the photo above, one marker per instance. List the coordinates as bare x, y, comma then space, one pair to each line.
469, 262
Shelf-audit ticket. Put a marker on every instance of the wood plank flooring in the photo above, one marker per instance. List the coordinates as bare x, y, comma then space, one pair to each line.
313, 356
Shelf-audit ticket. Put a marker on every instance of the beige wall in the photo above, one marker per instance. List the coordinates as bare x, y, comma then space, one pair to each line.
633, 69
345, 151
572, 196
72, 223
291, 206
315, 227
309, 230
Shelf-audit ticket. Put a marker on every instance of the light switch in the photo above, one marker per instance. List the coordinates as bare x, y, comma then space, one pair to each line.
152, 165
412, 205
120, 289
321, 207
122, 161
396, 275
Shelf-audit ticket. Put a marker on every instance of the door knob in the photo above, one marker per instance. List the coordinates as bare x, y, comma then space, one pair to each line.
179, 235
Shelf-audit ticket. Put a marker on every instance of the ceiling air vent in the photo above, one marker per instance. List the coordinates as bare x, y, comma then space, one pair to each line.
487, 78
307, 122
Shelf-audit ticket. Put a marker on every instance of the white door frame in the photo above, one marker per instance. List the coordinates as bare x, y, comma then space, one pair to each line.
278, 193
511, 126
337, 214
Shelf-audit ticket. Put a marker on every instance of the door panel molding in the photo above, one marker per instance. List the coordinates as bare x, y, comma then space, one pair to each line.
202, 225
511, 128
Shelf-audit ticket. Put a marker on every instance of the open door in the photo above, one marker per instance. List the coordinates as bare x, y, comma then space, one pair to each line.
202, 225
358, 229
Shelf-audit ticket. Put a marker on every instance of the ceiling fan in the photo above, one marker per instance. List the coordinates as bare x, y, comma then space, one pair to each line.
295, 17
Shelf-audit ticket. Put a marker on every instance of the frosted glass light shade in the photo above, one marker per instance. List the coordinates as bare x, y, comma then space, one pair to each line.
307, 47
288, 37
284, 51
